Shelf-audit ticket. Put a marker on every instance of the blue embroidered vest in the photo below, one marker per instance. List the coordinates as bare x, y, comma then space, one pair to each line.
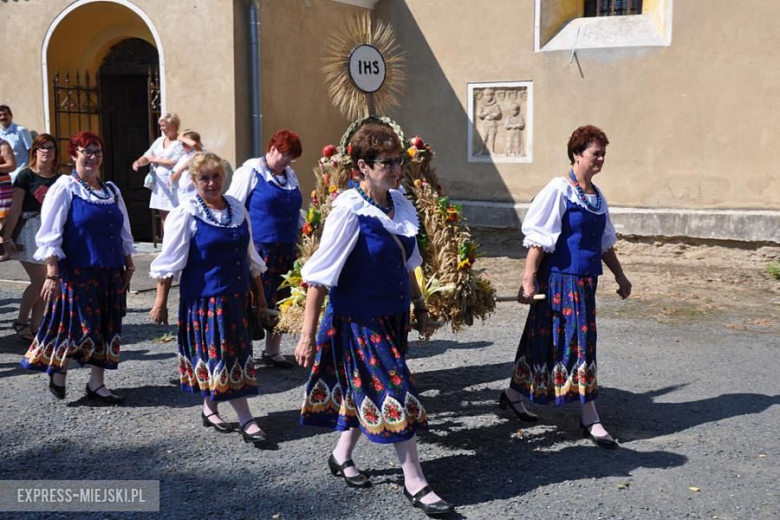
274, 212
578, 250
217, 262
374, 281
92, 236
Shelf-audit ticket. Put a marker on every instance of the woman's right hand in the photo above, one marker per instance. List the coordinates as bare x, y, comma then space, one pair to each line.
304, 352
159, 314
527, 291
50, 289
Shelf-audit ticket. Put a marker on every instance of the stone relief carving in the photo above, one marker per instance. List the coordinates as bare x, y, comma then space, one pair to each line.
499, 122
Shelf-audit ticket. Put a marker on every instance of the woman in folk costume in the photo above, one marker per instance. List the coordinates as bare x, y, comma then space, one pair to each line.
86, 243
359, 380
209, 242
269, 188
568, 233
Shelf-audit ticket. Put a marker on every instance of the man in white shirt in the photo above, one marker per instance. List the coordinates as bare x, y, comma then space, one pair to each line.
17, 136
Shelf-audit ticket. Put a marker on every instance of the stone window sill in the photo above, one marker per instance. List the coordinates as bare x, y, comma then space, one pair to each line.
608, 32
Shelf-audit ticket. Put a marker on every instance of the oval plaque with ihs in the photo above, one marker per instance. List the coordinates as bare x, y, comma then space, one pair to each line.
367, 68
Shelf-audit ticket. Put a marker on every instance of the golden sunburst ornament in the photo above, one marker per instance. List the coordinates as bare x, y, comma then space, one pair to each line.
351, 100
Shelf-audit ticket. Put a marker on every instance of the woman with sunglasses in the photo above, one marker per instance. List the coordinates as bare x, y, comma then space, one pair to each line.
359, 380
30, 188
268, 187
86, 244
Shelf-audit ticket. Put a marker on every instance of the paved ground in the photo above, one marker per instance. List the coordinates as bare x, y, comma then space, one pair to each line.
692, 398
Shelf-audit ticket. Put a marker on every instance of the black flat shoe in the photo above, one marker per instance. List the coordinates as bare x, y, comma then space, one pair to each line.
222, 427
107, 399
504, 401
605, 441
265, 359
57, 390
254, 438
440, 508
358, 481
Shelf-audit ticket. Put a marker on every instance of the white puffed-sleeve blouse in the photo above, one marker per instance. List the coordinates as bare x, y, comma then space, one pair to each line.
180, 227
542, 224
342, 230
55, 209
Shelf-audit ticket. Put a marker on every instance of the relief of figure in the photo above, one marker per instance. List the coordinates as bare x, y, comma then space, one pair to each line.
489, 113
514, 125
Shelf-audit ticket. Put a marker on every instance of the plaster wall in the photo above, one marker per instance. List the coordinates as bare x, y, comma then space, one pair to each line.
294, 35
691, 125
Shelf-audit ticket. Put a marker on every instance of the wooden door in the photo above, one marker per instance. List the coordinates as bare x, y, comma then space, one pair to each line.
126, 133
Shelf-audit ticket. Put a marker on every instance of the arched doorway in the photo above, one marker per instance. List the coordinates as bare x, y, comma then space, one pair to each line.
86, 36
130, 107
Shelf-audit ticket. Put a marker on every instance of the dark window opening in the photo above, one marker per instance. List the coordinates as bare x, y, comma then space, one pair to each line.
612, 7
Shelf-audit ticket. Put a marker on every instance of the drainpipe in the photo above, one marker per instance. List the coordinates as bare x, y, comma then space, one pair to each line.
257, 129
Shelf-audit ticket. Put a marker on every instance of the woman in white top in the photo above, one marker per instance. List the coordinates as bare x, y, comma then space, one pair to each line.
162, 157
568, 233
86, 243
209, 242
180, 178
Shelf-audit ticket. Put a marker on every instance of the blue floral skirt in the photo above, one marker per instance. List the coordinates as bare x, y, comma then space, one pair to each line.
360, 379
83, 323
556, 357
215, 351
279, 259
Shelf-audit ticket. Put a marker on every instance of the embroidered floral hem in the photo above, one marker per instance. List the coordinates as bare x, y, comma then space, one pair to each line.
556, 357
360, 379
84, 323
215, 352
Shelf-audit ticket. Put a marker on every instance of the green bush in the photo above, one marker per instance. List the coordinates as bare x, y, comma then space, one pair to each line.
773, 268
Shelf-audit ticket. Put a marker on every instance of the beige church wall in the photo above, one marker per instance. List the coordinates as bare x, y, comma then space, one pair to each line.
691, 125
294, 34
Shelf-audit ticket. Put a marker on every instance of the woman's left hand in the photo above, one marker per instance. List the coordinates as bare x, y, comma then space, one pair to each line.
421, 315
126, 276
624, 286
304, 351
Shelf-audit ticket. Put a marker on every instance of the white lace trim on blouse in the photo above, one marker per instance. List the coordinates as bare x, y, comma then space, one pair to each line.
180, 227
342, 229
244, 179
543, 223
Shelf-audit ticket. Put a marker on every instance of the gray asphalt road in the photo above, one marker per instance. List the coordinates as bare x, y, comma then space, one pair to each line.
695, 407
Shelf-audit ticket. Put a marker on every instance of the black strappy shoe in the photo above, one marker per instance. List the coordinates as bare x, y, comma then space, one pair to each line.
222, 427
440, 508
504, 401
358, 481
604, 441
57, 390
254, 438
107, 399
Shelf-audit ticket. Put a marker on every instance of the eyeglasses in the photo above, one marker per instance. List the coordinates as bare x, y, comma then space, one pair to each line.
91, 153
46, 148
389, 163
288, 158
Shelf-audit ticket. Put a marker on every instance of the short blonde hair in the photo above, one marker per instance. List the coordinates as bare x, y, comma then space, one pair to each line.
171, 119
205, 161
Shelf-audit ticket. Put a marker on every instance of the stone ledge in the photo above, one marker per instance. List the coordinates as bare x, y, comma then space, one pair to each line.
737, 225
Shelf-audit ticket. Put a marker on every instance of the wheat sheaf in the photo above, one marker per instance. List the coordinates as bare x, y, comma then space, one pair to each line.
350, 100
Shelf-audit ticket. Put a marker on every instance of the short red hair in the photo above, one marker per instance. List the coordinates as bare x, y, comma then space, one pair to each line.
583, 137
287, 142
82, 140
